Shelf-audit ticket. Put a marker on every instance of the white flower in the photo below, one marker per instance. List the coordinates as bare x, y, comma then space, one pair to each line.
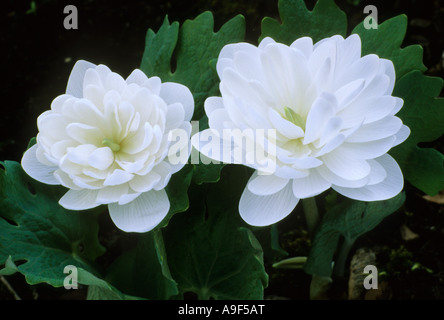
106, 140
334, 117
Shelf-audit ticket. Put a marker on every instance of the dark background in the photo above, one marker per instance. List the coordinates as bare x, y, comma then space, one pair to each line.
37, 54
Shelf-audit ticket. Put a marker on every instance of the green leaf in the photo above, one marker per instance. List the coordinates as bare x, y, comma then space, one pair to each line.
210, 252
349, 219
99, 289
35, 229
143, 271
324, 21
195, 45
177, 190
386, 42
423, 113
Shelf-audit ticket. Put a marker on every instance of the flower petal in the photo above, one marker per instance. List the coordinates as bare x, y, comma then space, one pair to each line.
174, 92
401, 135
101, 158
321, 111
175, 116
142, 214
285, 127
264, 185
37, 170
118, 177
266, 210
75, 81
310, 186
388, 188
79, 199
138, 77
346, 167
381, 129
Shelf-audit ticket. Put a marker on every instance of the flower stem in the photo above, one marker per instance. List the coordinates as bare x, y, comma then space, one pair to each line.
311, 214
339, 267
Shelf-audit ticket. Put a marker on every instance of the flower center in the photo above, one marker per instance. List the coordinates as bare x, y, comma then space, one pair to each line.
294, 117
111, 144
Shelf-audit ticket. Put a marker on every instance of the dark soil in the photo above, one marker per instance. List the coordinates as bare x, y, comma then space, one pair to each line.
38, 54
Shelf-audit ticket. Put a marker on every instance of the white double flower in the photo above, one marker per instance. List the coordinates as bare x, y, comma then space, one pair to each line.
106, 140
333, 114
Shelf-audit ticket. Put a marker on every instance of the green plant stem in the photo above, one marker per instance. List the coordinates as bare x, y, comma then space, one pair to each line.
339, 267
311, 214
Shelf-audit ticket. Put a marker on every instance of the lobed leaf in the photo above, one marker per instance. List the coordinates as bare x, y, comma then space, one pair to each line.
37, 232
423, 113
325, 20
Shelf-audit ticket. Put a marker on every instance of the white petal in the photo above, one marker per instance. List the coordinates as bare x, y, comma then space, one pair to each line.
37, 170
334, 179
212, 104
173, 92
388, 68
175, 116
79, 155
101, 158
321, 111
349, 50
115, 82
365, 68
346, 167
331, 145
227, 53
377, 174
388, 188
286, 172
331, 130
79, 199
209, 144
138, 77
401, 135
266, 210
370, 110
381, 129
111, 194
142, 214
349, 92
305, 45
367, 150
219, 120
145, 183
263, 185
285, 127
118, 177
163, 169
75, 81
127, 198
310, 186
84, 133
153, 84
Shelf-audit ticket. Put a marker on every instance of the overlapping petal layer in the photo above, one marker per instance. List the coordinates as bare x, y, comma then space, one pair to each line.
332, 113
106, 140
